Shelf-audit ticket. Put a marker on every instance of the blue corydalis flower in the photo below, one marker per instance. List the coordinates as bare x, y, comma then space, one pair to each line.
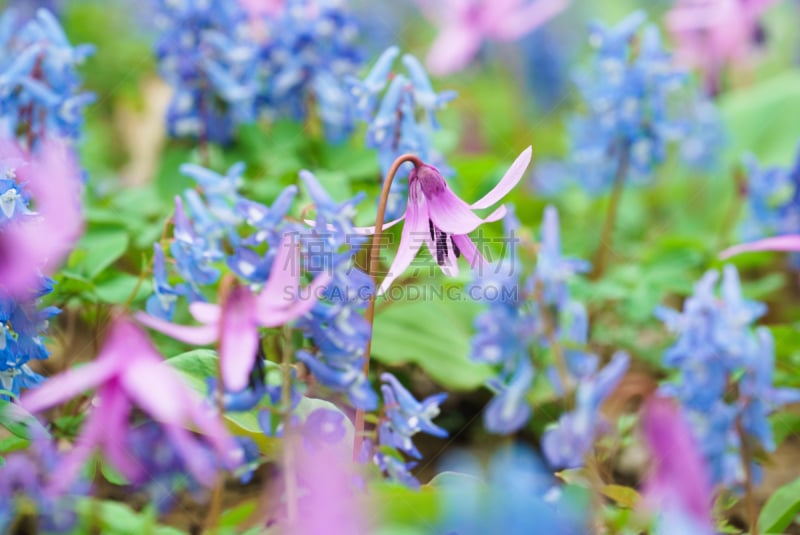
637, 106
206, 54
390, 103
717, 352
310, 50
568, 442
39, 87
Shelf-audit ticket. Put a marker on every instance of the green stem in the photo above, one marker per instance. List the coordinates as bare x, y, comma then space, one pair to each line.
605, 246
371, 263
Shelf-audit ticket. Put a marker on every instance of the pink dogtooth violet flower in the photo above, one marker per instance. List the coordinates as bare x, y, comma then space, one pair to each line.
38, 241
710, 34
466, 24
678, 486
234, 324
789, 243
437, 216
129, 372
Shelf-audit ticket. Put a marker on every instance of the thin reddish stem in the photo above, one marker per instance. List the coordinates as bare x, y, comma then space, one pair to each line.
374, 253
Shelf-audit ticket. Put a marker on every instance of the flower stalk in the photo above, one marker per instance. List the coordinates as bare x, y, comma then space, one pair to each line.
371, 264
606, 238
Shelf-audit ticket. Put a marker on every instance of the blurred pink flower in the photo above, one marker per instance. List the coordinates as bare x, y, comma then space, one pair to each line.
129, 373
235, 324
789, 243
330, 501
465, 24
712, 33
678, 487
37, 243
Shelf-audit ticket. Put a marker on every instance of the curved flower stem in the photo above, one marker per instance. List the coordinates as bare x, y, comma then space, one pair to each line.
732, 214
606, 238
372, 257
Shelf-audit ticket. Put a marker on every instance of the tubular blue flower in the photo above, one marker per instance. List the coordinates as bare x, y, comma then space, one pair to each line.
464, 26
335, 324
442, 220
405, 416
393, 126
39, 86
678, 487
566, 444
235, 323
552, 269
206, 54
510, 410
130, 373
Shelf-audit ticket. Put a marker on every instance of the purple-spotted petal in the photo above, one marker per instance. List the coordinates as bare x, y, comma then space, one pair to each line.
510, 179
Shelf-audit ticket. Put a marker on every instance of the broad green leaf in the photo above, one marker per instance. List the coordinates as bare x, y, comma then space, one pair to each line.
101, 247
403, 506
434, 334
118, 288
781, 508
761, 122
116, 518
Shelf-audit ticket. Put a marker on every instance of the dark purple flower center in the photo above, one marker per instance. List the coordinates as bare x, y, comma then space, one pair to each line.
430, 180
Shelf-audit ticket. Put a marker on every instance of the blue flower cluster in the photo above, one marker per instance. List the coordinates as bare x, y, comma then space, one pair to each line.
336, 324
535, 314
22, 322
24, 479
516, 494
724, 372
403, 417
400, 121
310, 50
206, 53
39, 87
637, 104
215, 227
773, 199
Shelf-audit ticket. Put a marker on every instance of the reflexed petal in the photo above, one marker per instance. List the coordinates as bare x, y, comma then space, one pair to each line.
69, 384
453, 49
239, 342
510, 179
789, 243
450, 214
202, 335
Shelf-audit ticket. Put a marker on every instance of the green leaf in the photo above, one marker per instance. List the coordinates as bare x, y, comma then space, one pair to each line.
435, 335
781, 509
118, 287
116, 518
760, 121
101, 246
405, 507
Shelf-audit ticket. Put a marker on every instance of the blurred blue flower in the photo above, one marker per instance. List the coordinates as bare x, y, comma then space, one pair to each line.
724, 372
39, 85
515, 495
311, 48
207, 55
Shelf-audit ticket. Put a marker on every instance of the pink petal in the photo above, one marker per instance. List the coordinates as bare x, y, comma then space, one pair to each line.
789, 243
470, 252
453, 49
69, 384
285, 273
205, 312
450, 214
510, 179
275, 314
371, 230
239, 342
202, 335
416, 225
92, 435
158, 390
497, 215
116, 411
